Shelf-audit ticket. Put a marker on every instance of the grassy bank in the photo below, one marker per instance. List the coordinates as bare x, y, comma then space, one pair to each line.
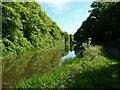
93, 71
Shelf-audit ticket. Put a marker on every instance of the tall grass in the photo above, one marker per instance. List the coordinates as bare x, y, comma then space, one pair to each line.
92, 71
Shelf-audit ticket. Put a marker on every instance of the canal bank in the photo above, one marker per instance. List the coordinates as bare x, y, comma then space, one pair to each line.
24, 66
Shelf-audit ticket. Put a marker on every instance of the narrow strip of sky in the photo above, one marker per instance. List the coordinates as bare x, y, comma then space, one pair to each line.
68, 15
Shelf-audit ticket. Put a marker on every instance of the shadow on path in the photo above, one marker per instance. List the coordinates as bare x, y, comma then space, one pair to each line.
114, 51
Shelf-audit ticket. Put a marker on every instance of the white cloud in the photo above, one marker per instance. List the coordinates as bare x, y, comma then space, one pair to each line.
58, 5
59, 1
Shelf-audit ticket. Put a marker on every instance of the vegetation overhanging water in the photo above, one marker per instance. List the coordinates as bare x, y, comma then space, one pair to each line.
25, 66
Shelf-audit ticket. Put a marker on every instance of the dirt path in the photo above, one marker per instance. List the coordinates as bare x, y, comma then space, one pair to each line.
114, 51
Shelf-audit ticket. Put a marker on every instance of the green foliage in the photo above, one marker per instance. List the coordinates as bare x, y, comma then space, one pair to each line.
102, 25
67, 41
89, 72
26, 65
25, 25
66, 36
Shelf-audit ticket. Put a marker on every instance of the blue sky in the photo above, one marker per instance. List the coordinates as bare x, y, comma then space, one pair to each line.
68, 15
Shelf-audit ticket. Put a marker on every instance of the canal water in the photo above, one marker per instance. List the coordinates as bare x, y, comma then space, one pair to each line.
35, 63
26, 65
71, 54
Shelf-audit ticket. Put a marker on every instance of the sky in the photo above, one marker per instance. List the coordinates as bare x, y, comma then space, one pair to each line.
68, 15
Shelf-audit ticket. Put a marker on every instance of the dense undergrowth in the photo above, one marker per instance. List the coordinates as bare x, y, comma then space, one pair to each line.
95, 70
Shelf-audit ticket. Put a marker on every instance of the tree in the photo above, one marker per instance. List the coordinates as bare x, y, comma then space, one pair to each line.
102, 25
26, 26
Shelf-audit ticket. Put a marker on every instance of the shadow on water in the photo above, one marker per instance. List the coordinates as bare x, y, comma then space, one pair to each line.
74, 51
26, 65
71, 53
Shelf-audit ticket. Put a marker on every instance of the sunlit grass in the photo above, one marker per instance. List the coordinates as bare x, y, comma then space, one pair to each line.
92, 71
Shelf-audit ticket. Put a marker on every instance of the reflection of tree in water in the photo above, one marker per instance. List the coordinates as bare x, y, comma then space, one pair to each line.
71, 42
66, 38
79, 50
29, 69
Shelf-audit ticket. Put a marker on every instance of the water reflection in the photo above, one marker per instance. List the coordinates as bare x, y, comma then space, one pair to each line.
71, 54
25, 66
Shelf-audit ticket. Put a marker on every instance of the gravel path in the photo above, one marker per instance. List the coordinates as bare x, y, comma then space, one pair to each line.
114, 51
